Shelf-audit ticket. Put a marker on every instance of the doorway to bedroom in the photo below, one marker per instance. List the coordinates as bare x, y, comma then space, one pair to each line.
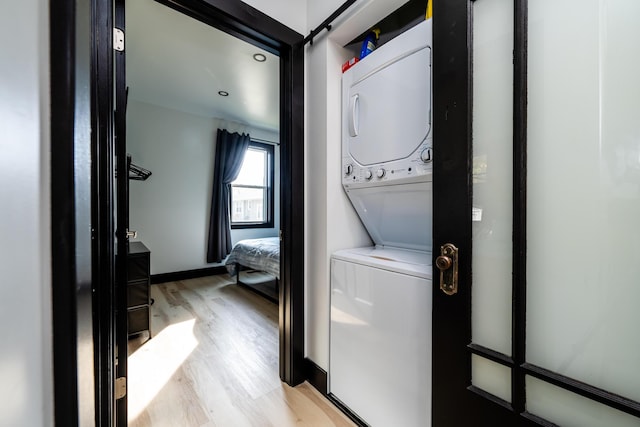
212, 339
193, 91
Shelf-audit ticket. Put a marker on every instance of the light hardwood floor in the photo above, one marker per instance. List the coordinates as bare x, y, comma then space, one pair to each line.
213, 361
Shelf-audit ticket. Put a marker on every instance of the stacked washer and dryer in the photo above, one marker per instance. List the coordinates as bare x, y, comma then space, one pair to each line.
381, 296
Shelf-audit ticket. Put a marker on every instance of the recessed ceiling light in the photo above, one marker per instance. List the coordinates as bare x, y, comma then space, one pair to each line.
223, 93
259, 57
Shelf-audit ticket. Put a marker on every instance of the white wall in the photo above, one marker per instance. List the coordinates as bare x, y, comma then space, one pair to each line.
170, 210
292, 13
331, 222
25, 255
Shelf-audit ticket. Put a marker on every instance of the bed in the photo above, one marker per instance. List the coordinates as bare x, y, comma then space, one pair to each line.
257, 255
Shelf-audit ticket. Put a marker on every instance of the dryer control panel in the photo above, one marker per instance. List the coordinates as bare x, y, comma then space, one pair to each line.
416, 165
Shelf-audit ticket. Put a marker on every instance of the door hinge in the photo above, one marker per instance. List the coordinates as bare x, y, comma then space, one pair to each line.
280, 235
118, 39
121, 387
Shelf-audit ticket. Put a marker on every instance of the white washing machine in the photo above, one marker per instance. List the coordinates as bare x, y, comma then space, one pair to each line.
380, 336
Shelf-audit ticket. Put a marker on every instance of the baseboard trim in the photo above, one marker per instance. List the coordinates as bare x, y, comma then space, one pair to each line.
188, 274
348, 412
316, 376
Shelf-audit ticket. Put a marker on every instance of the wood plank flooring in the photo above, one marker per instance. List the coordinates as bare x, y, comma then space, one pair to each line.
213, 361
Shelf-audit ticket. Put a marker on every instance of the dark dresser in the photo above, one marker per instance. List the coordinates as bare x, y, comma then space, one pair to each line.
138, 281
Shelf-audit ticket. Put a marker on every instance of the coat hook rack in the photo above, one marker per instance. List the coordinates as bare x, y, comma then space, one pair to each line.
138, 173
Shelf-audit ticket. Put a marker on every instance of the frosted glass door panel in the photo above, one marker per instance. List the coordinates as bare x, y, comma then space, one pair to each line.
571, 410
492, 173
583, 207
491, 377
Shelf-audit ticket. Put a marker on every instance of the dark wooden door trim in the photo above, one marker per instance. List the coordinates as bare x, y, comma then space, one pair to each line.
62, 80
452, 202
519, 266
102, 202
121, 215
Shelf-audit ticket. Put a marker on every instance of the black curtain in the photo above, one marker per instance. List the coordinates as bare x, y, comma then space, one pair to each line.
230, 150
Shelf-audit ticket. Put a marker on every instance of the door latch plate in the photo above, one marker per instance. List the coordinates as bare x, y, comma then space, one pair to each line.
447, 263
121, 387
118, 39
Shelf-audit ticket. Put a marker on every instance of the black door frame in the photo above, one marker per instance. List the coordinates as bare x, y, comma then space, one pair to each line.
62, 36
235, 18
103, 210
121, 188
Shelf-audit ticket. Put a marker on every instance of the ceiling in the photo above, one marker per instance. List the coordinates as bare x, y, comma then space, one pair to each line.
180, 63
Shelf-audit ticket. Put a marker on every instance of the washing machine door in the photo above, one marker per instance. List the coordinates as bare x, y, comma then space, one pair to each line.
387, 101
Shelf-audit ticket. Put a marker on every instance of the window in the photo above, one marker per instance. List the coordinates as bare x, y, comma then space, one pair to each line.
252, 192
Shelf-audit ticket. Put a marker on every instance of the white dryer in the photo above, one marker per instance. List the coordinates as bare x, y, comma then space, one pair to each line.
380, 336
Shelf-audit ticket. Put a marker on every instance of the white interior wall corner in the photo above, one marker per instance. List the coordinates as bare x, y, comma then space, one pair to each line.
316, 206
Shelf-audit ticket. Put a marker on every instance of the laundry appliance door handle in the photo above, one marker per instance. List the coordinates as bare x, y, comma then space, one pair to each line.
353, 120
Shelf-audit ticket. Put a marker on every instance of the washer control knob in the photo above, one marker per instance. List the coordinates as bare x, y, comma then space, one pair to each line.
348, 170
368, 175
380, 173
426, 156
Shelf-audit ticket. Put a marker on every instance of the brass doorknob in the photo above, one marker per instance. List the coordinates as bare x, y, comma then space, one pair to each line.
443, 263
447, 263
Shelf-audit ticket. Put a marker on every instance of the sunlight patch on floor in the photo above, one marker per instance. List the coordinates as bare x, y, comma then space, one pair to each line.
149, 372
